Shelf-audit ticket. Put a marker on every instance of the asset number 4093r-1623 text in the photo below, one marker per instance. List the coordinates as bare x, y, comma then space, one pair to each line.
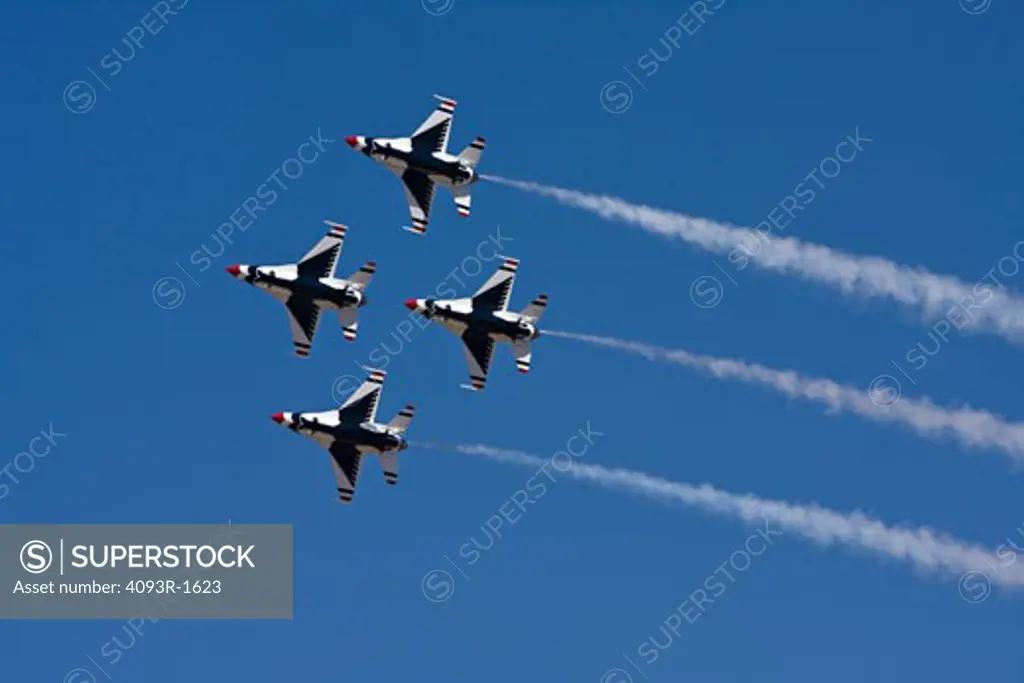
172, 587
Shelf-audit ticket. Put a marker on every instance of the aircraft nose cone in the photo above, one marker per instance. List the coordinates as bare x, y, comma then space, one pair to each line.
234, 270
411, 304
352, 141
278, 418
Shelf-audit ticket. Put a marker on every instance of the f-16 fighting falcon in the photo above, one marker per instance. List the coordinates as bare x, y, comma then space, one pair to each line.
422, 161
350, 432
484, 319
307, 287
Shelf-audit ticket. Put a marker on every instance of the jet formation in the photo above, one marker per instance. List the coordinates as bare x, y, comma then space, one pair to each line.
311, 286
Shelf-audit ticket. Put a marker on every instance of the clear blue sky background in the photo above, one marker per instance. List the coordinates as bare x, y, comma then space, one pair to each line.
166, 411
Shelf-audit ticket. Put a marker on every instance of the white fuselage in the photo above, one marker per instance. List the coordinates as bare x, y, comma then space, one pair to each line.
369, 438
283, 281
458, 315
398, 155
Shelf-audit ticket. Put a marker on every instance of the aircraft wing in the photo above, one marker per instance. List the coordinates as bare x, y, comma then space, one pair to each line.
322, 259
304, 315
432, 135
361, 406
495, 293
419, 194
345, 461
479, 349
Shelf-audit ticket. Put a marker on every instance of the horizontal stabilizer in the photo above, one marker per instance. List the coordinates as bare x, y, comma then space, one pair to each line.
473, 151
361, 278
463, 200
401, 421
524, 355
536, 308
349, 319
389, 463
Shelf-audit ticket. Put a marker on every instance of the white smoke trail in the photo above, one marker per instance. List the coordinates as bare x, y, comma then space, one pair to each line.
969, 427
927, 550
933, 295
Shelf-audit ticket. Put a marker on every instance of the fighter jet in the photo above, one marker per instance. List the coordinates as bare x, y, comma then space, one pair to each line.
422, 161
349, 433
309, 286
484, 319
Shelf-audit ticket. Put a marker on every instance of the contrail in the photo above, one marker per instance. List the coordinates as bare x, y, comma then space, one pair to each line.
969, 427
979, 306
927, 550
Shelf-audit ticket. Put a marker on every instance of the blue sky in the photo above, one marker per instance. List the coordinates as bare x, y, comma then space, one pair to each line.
166, 411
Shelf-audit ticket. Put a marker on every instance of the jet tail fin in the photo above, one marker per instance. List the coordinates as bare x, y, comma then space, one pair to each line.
400, 422
361, 278
473, 151
536, 308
